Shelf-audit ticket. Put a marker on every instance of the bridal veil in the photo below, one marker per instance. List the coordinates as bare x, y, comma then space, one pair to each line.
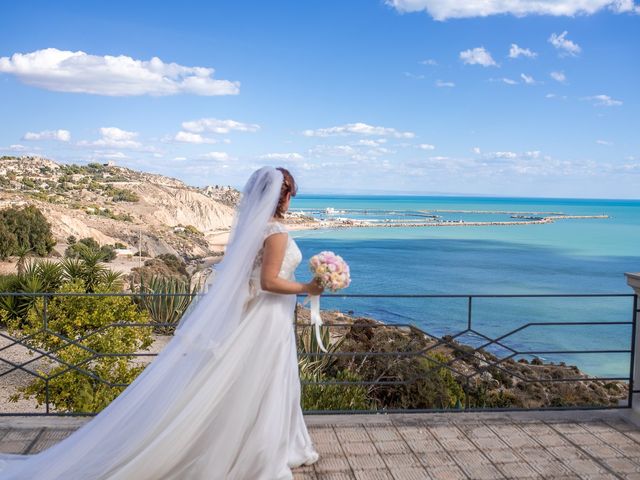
159, 417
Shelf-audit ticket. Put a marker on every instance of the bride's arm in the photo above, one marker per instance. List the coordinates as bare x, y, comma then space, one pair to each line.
272, 256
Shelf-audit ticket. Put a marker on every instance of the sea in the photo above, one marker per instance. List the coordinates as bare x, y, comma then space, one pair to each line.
499, 266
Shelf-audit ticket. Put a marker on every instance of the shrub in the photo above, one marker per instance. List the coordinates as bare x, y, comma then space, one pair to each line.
335, 396
8, 242
122, 195
30, 228
78, 249
76, 317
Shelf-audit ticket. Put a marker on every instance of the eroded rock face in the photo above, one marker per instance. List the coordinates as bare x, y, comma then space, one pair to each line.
167, 216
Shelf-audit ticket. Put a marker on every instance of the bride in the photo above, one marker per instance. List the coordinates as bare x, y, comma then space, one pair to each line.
222, 400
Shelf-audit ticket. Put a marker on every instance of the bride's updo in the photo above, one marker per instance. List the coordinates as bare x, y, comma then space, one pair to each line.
288, 186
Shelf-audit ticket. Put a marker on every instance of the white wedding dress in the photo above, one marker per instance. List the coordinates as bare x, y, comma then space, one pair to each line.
207, 410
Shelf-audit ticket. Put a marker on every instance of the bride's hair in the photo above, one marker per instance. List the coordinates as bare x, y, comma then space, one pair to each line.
288, 186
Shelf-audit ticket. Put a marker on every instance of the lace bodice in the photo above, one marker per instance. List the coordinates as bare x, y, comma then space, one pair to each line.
291, 260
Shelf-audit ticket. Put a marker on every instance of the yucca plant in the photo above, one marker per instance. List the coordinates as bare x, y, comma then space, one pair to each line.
73, 269
22, 251
12, 306
169, 298
112, 281
93, 266
50, 274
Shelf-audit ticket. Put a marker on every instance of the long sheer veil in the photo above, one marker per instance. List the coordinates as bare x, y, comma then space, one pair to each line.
213, 317
163, 413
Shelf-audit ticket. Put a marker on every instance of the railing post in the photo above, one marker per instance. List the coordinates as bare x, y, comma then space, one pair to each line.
633, 280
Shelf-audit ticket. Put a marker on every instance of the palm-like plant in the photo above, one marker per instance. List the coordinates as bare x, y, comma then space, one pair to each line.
22, 251
50, 273
11, 306
93, 267
72, 269
112, 281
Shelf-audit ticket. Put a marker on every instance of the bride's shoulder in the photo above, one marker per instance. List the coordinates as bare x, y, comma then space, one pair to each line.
273, 226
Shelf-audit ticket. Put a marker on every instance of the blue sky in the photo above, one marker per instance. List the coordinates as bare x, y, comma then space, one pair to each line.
401, 96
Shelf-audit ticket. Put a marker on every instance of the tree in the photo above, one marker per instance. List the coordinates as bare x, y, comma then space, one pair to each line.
8, 242
30, 228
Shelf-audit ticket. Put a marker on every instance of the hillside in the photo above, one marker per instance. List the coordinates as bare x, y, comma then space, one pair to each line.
147, 212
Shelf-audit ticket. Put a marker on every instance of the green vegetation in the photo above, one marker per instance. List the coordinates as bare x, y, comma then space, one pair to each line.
87, 246
322, 368
86, 320
122, 195
165, 265
99, 323
420, 373
24, 228
166, 300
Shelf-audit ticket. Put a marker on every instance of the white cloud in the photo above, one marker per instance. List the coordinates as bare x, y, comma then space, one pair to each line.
501, 155
553, 95
110, 155
604, 142
282, 156
515, 51
603, 101
180, 159
371, 143
17, 148
114, 137
445, 9
476, 150
188, 137
59, 135
357, 129
426, 146
79, 72
216, 156
430, 62
564, 45
441, 84
529, 80
413, 76
508, 81
478, 56
558, 76
213, 125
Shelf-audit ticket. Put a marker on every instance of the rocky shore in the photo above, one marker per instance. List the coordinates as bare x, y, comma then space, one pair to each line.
511, 383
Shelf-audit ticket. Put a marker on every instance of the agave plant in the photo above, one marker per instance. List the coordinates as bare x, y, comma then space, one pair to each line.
166, 301
315, 365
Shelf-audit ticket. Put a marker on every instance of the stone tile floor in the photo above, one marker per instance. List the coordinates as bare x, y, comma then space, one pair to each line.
587, 444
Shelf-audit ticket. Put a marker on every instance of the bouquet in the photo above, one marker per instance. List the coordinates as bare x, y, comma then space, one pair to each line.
332, 272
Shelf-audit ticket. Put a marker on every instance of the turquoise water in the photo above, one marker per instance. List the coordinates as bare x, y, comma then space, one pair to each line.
566, 257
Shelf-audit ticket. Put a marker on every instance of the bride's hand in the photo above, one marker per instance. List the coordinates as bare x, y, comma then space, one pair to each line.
314, 288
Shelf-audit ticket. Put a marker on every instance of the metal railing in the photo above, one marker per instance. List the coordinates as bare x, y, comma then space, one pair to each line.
499, 341
451, 340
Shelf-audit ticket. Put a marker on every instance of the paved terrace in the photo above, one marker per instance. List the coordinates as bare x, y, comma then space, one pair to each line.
580, 444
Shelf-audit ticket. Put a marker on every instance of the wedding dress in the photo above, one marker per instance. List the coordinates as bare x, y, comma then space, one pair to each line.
222, 400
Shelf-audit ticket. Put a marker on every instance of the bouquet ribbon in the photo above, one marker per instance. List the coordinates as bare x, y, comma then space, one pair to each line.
316, 320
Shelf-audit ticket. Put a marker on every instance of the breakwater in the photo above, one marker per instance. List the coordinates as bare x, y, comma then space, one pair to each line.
351, 223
